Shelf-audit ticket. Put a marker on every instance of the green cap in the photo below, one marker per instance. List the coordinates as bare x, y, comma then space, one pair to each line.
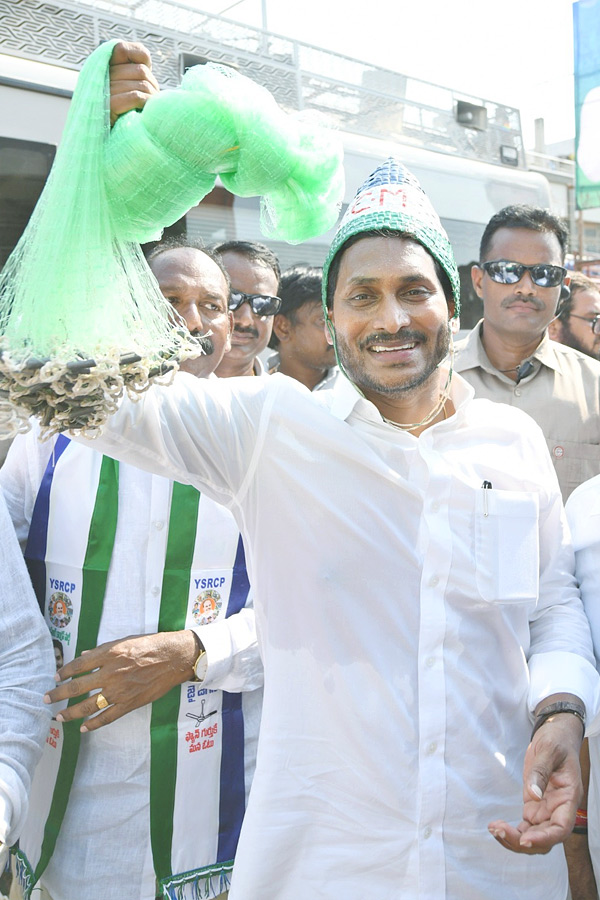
392, 198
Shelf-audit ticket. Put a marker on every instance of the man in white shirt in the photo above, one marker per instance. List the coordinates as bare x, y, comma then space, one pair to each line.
26, 667
121, 827
583, 514
416, 604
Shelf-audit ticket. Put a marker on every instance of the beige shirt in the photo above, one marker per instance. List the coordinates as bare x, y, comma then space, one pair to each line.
562, 394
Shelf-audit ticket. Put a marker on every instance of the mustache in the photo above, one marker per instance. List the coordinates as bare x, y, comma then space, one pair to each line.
385, 338
533, 301
245, 329
206, 342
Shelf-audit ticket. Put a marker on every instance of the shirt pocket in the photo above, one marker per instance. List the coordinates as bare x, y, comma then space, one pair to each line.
507, 557
575, 462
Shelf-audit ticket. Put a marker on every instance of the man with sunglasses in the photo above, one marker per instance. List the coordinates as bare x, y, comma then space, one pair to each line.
509, 356
254, 272
578, 322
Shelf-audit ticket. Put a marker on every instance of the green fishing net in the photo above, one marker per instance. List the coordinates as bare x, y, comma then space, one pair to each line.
81, 315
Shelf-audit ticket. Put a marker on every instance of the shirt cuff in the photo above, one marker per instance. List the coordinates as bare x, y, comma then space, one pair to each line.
6, 815
559, 672
216, 639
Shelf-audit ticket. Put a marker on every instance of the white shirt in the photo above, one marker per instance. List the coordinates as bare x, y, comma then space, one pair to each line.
104, 844
402, 634
583, 513
562, 394
26, 673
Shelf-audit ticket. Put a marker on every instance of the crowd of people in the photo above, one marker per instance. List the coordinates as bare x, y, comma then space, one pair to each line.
320, 631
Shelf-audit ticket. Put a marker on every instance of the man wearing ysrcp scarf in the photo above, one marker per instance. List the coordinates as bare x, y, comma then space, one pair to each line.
149, 577
428, 665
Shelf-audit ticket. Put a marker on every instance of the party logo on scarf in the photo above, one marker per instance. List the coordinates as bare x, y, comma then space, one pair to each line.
60, 609
207, 607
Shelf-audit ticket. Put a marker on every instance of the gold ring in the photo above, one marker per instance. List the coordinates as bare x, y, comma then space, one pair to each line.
101, 701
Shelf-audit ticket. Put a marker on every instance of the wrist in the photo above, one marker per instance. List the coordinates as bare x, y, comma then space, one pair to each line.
182, 652
581, 822
561, 710
200, 664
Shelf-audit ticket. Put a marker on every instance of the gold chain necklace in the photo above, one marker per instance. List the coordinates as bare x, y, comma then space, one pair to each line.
439, 407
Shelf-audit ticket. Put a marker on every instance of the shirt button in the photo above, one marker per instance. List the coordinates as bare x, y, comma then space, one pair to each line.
427, 833
159, 526
430, 662
434, 581
155, 591
435, 507
431, 748
517, 392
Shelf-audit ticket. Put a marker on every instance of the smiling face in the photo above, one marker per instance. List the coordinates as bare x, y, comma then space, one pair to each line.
390, 316
520, 311
195, 286
251, 333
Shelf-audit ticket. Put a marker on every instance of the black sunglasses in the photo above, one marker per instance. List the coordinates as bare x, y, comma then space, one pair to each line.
260, 304
505, 272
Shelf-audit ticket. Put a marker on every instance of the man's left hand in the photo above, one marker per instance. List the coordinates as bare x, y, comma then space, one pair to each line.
129, 673
552, 789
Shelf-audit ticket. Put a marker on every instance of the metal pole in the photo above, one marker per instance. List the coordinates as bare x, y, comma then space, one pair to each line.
264, 41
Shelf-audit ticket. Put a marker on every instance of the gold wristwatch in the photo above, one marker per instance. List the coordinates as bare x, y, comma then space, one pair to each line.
201, 664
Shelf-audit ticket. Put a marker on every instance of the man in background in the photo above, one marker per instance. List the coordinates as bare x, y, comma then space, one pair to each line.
26, 667
299, 330
111, 809
254, 273
583, 847
577, 323
509, 357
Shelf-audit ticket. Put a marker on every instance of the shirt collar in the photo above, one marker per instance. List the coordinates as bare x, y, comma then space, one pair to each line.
346, 398
471, 353
546, 353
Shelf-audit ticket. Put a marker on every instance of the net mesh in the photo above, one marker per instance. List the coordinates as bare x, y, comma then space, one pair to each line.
81, 315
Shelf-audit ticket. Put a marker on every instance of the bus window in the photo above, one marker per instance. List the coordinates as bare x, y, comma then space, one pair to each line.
24, 167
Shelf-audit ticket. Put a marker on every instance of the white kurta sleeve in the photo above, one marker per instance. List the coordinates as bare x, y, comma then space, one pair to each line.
20, 478
234, 663
583, 514
208, 433
26, 669
561, 657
